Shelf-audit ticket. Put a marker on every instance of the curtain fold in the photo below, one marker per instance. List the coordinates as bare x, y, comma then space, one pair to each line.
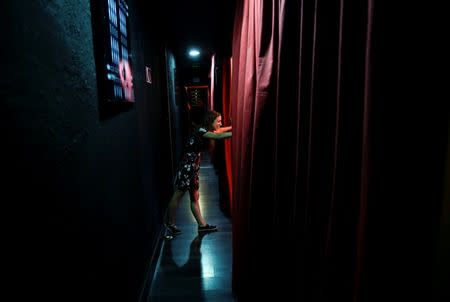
300, 107
212, 81
329, 151
226, 108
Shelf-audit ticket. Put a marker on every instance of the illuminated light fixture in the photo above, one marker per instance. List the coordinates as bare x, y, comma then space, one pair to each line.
194, 53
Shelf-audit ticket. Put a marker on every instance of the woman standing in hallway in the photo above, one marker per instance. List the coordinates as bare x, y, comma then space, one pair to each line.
186, 176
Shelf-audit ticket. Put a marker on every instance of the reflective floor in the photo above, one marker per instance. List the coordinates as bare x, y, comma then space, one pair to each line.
194, 267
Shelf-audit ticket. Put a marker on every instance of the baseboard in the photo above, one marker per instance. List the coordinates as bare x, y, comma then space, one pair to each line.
152, 265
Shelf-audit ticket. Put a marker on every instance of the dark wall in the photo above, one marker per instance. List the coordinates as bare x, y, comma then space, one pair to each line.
178, 120
441, 265
87, 194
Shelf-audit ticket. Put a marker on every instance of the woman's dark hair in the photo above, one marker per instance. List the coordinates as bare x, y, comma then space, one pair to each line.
209, 118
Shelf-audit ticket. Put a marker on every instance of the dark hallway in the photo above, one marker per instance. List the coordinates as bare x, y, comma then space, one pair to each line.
196, 266
335, 184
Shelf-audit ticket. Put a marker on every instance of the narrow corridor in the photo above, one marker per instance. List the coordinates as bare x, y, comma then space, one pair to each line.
194, 267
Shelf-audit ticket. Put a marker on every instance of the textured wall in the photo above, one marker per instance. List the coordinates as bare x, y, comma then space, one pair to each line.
87, 192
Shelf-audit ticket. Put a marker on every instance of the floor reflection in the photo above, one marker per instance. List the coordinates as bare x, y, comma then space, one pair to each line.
181, 281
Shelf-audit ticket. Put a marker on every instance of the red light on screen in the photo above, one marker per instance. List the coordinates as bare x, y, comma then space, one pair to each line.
126, 80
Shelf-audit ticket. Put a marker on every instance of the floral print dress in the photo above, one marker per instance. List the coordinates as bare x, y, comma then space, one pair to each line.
186, 176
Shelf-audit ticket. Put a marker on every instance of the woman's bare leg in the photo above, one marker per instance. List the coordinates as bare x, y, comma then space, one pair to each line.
172, 207
195, 207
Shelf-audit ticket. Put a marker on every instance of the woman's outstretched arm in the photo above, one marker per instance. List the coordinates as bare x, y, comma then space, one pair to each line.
224, 129
217, 134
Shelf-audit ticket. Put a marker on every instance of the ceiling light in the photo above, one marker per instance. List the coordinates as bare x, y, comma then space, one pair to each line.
194, 53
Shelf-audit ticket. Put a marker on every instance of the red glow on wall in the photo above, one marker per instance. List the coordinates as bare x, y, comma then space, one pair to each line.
126, 80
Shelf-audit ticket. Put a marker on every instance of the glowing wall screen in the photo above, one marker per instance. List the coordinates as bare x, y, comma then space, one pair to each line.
118, 66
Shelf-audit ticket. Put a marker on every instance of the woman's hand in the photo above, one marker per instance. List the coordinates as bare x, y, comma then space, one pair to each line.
224, 129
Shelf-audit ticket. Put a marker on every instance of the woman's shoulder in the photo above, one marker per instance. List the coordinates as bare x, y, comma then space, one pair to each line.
197, 132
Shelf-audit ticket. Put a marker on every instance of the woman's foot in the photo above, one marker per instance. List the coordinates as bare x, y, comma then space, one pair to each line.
207, 228
172, 228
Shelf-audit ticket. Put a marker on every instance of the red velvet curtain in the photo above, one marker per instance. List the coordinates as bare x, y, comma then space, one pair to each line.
220, 100
300, 107
226, 111
212, 81
323, 155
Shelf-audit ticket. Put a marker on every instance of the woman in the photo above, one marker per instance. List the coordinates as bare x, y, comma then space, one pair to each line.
186, 177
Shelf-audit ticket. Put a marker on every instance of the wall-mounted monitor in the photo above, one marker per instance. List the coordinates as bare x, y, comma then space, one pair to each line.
114, 64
